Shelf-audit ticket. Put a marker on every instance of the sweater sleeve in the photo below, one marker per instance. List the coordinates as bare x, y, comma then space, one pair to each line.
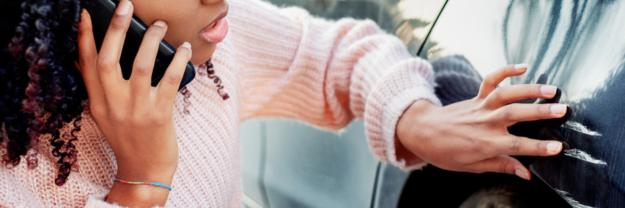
325, 72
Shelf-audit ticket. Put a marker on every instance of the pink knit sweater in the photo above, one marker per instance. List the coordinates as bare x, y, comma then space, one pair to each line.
274, 63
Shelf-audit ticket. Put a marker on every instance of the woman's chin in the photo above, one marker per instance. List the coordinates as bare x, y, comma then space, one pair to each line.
201, 55
200, 61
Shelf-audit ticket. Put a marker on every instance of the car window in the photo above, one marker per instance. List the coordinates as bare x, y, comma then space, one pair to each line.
410, 20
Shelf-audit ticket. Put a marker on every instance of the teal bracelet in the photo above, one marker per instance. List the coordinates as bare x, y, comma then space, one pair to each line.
144, 183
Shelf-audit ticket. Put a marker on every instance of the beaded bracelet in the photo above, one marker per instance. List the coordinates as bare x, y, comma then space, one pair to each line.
145, 183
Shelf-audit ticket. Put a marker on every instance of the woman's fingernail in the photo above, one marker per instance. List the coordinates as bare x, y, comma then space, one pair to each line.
558, 109
160, 23
124, 7
187, 45
554, 147
522, 174
548, 90
520, 67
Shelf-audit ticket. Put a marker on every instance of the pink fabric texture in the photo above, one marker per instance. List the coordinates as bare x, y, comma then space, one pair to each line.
275, 62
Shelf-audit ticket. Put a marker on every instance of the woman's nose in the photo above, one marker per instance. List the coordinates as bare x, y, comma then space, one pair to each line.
211, 1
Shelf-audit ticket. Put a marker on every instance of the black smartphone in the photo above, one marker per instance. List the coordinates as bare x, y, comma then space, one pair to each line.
101, 15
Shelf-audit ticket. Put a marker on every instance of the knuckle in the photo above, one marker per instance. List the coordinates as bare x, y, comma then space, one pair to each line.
84, 30
173, 78
506, 112
503, 167
82, 61
525, 92
184, 51
105, 64
508, 69
117, 24
543, 109
515, 145
155, 32
141, 70
488, 81
497, 94
503, 71
535, 89
541, 148
488, 78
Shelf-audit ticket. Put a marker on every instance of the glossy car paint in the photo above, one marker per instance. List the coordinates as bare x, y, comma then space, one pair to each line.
580, 47
288, 163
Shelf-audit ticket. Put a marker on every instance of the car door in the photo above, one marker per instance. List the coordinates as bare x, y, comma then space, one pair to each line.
578, 46
287, 163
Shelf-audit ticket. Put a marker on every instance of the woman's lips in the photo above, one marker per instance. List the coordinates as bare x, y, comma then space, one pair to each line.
215, 32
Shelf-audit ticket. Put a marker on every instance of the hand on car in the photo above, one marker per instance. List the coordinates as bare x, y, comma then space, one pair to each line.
472, 135
136, 118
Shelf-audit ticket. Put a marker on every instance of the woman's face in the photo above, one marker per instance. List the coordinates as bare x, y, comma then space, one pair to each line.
186, 21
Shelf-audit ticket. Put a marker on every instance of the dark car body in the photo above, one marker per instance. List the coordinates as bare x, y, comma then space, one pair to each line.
578, 46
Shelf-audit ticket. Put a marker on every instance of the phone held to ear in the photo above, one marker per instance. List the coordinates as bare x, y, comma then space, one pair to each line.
101, 16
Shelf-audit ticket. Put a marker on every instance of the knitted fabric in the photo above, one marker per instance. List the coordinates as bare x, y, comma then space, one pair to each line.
274, 63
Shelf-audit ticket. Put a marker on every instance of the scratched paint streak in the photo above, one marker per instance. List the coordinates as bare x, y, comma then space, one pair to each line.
583, 156
580, 128
574, 203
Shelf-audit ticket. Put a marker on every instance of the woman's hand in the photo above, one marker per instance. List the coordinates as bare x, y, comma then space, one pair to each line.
136, 118
472, 135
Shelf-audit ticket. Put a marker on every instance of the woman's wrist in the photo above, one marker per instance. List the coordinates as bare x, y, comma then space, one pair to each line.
138, 173
130, 195
405, 124
136, 195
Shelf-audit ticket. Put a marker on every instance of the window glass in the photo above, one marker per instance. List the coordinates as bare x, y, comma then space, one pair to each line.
410, 20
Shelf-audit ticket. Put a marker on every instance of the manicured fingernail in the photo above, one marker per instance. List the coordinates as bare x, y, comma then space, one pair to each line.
554, 147
187, 45
124, 7
160, 23
548, 90
522, 174
558, 109
520, 67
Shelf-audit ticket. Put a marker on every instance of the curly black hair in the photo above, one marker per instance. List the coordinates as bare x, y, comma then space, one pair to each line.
40, 88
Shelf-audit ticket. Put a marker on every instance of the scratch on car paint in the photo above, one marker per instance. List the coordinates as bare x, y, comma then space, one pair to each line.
574, 203
583, 156
580, 128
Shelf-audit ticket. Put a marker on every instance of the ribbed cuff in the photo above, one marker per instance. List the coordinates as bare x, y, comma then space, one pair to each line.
395, 109
385, 105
